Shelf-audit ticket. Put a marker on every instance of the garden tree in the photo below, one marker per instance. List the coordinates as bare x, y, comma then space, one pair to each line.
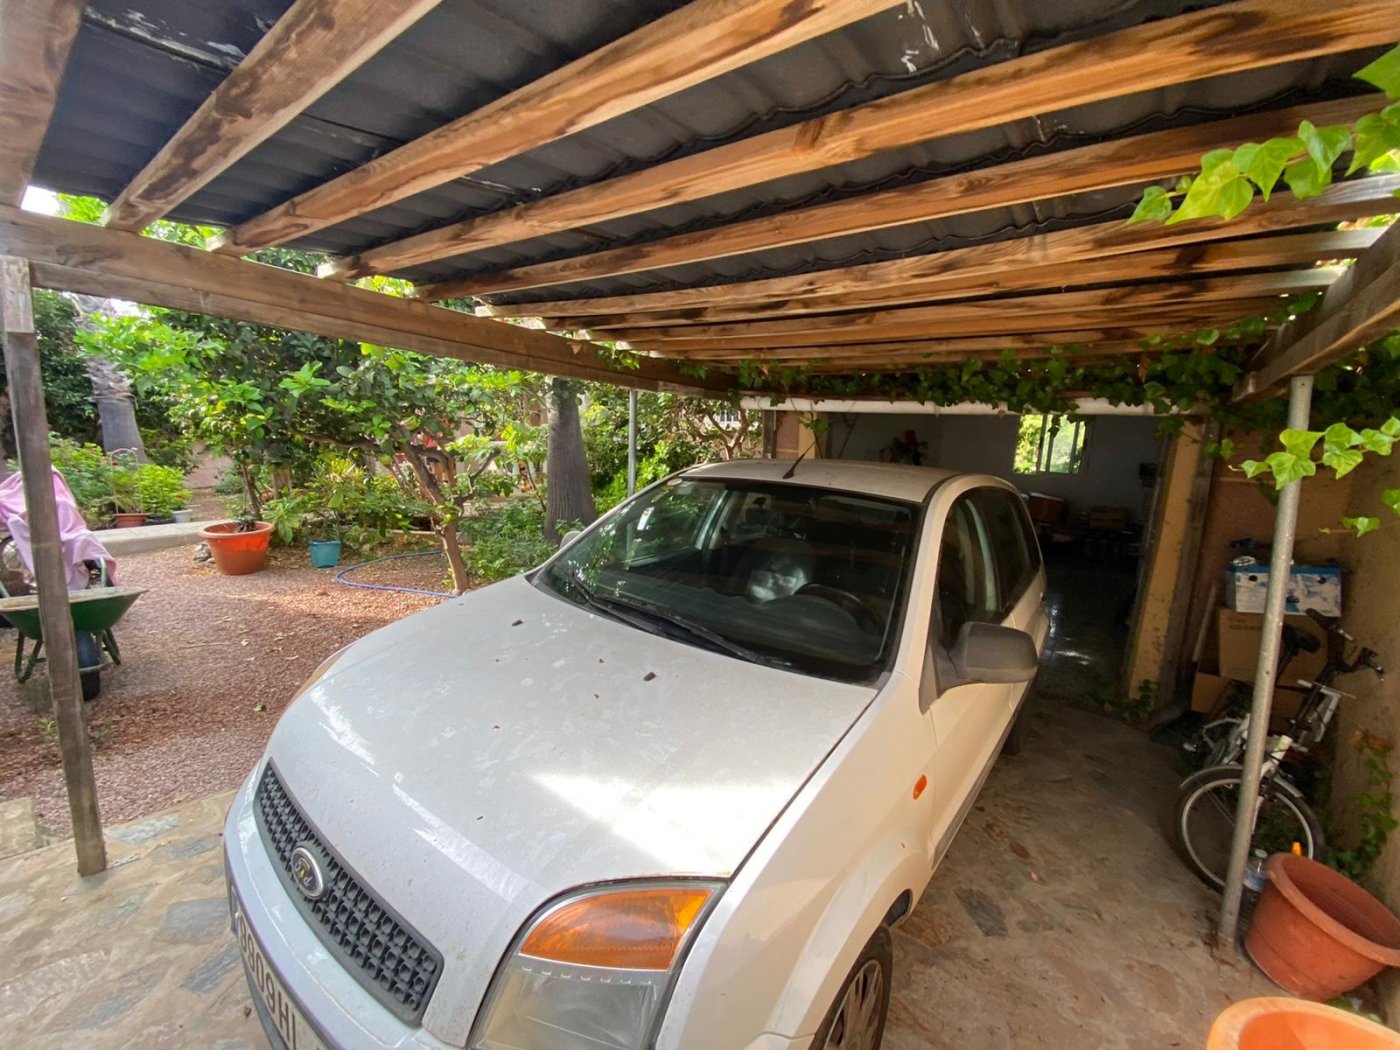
570, 494
672, 432
66, 389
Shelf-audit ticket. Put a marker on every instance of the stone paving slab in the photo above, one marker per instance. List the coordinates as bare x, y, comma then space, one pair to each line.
137, 957
19, 832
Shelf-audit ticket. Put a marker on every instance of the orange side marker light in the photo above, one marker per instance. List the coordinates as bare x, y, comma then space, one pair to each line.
919, 786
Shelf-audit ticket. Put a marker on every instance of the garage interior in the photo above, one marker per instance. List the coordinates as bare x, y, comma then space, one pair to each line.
767, 199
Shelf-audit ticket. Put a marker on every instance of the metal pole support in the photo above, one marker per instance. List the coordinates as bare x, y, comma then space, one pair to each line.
1266, 671
631, 442
32, 439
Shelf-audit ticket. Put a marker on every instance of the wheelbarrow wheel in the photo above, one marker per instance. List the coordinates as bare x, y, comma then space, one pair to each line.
89, 657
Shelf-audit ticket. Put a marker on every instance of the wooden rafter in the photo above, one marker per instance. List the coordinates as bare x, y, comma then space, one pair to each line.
35, 39
1341, 202
1361, 305
1206, 260
1170, 295
1123, 162
91, 260
1130, 323
1157, 54
685, 48
311, 49
1098, 341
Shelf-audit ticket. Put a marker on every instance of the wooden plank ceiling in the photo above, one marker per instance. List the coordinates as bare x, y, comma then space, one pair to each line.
846, 185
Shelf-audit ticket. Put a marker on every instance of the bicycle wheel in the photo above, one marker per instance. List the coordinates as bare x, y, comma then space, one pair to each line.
1205, 821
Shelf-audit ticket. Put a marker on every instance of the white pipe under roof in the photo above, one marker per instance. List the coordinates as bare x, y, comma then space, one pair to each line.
1084, 406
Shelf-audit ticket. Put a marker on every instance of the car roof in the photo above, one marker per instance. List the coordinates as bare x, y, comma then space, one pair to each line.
889, 480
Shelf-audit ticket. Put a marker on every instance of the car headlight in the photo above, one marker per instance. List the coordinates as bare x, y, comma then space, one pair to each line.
591, 971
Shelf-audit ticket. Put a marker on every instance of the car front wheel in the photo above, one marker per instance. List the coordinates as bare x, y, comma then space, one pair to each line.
856, 1020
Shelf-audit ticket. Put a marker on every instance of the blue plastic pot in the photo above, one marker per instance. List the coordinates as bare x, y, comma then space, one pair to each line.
325, 554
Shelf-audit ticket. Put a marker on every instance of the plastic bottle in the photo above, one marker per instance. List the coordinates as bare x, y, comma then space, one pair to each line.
1256, 880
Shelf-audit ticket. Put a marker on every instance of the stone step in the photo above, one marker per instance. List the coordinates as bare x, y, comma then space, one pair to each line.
121, 543
19, 831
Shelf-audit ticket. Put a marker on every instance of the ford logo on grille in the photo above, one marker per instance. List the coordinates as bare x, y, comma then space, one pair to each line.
306, 873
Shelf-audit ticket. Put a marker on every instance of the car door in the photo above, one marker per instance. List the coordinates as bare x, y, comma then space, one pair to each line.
1020, 575
966, 722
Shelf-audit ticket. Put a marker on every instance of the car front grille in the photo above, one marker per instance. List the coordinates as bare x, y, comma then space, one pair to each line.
396, 965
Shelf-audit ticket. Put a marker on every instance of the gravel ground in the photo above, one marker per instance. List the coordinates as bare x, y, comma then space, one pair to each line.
210, 661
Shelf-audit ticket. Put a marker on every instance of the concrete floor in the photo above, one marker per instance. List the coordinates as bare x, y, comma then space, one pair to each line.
1060, 919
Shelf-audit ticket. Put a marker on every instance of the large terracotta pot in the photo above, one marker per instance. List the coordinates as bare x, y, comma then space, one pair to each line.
237, 553
1317, 933
1290, 1024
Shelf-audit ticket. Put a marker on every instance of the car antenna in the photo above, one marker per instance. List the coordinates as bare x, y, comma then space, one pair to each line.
793, 469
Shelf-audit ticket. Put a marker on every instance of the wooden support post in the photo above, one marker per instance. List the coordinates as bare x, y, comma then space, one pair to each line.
32, 437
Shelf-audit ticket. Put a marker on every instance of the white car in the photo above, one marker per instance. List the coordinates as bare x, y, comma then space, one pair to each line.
670, 789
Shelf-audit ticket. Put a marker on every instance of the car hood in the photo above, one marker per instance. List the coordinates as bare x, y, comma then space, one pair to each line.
474, 760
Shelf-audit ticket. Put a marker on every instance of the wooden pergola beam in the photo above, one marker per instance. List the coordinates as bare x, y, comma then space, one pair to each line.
35, 39
1342, 202
1123, 162
1207, 260
1154, 55
26, 394
1174, 295
1360, 306
92, 260
1100, 341
687, 47
313, 47
1132, 323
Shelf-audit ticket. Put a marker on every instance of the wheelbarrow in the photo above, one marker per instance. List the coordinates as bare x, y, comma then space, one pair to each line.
95, 612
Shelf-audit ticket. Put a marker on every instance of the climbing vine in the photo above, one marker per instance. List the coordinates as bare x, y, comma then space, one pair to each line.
1229, 179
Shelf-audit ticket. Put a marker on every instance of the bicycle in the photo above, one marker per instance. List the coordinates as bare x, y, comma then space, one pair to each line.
1204, 820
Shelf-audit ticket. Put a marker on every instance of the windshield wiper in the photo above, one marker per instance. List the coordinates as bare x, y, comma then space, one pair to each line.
617, 603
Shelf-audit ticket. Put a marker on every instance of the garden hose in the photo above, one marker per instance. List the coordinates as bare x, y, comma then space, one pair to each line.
340, 576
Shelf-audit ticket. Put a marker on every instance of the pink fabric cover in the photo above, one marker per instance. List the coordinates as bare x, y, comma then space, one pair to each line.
80, 544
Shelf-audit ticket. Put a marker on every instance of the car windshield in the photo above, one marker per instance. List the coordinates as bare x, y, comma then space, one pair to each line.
808, 579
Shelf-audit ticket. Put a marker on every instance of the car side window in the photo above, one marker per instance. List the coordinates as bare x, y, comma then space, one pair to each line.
1013, 542
967, 585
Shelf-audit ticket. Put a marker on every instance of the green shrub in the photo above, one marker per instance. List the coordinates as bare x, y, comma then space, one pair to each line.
88, 473
160, 490
505, 539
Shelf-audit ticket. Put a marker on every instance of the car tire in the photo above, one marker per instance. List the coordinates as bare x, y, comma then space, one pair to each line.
1016, 735
856, 1020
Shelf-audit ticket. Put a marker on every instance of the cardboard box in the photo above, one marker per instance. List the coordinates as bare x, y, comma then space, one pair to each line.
1238, 634
1317, 587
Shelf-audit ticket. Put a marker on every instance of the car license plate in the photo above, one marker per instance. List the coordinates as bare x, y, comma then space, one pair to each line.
296, 1032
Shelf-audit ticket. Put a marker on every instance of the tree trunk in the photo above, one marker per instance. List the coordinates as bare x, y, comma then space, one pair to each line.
570, 496
116, 409
444, 517
249, 489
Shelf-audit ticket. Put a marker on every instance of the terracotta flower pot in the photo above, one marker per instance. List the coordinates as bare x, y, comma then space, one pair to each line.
237, 553
1289, 1024
131, 520
1317, 933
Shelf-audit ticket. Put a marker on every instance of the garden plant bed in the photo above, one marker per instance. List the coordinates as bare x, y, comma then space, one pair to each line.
211, 662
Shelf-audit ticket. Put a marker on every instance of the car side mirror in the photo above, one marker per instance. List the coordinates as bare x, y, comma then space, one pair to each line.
991, 653
569, 537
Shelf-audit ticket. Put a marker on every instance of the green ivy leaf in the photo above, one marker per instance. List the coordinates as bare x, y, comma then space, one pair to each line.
1375, 441
1305, 179
1377, 140
1264, 164
1362, 524
1343, 461
1391, 427
1253, 468
1391, 499
1155, 206
1299, 442
1220, 190
1383, 73
1326, 144
1288, 467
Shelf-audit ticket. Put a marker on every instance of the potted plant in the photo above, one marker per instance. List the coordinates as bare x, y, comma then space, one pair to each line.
160, 490
325, 553
238, 547
125, 500
1317, 933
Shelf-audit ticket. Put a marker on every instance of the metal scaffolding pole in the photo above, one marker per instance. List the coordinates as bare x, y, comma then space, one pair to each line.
1266, 670
631, 442
32, 437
